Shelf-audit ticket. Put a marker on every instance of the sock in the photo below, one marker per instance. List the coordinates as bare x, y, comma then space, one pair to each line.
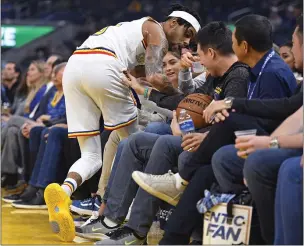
129, 211
181, 184
109, 222
69, 186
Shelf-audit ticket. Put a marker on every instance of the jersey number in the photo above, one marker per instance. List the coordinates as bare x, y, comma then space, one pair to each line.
103, 30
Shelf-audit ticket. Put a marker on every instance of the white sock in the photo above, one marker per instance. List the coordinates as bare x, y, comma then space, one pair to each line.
69, 186
181, 184
109, 222
129, 211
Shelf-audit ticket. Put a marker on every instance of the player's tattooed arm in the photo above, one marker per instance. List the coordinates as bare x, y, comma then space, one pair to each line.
155, 52
154, 59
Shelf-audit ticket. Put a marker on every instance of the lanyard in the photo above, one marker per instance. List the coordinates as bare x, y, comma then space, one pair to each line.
250, 92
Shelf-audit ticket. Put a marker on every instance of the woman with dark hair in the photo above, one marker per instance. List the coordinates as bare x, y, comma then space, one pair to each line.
287, 55
22, 92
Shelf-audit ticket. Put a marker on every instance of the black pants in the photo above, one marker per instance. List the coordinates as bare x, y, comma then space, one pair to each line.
185, 218
222, 134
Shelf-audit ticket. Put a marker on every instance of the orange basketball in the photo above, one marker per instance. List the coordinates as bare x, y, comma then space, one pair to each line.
195, 105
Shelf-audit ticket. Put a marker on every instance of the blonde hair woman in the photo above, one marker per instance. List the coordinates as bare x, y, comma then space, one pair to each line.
35, 79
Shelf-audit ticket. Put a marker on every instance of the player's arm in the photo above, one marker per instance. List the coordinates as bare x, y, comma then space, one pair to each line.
157, 47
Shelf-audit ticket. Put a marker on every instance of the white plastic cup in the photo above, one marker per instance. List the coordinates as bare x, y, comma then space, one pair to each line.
197, 67
251, 132
245, 132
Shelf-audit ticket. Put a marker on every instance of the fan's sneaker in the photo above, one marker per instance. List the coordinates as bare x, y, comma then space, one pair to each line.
161, 186
28, 194
95, 228
80, 220
17, 188
87, 206
122, 236
11, 198
36, 203
60, 218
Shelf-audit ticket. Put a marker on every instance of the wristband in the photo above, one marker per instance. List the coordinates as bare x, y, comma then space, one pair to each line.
146, 92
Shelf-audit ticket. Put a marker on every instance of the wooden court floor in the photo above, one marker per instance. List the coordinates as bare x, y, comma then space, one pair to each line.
23, 226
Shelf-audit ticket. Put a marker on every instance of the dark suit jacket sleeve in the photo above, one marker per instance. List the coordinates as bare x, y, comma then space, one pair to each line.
165, 101
277, 109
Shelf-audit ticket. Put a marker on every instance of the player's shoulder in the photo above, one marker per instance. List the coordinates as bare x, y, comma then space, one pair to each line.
151, 25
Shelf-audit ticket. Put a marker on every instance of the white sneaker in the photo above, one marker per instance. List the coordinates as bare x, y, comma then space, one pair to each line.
161, 186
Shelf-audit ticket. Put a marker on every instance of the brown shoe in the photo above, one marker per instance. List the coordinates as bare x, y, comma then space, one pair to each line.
17, 188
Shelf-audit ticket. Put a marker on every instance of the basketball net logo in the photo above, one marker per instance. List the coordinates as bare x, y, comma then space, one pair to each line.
193, 101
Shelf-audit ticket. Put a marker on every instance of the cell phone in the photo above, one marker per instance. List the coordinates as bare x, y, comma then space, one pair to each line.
126, 74
194, 53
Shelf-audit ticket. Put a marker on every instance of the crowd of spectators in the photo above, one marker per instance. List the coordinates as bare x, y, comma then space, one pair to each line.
159, 174
282, 14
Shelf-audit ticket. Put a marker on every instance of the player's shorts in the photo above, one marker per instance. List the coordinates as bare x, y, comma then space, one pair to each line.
92, 86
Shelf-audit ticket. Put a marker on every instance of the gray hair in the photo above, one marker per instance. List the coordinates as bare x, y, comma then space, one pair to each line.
58, 67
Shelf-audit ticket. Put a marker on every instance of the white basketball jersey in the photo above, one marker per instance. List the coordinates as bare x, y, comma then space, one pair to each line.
125, 39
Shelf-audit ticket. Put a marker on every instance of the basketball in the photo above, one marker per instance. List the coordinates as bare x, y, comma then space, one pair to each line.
195, 105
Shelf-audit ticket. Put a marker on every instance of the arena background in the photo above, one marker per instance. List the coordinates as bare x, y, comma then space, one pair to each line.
34, 29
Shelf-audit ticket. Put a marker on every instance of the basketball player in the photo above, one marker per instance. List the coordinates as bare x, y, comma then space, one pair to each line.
92, 84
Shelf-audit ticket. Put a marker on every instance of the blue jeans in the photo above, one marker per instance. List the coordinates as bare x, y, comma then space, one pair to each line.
49, 157
159, 128
289, 204
228, 169
142, 152
260, 170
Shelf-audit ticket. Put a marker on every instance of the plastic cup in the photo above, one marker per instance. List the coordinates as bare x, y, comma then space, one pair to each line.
245, 133
197, 67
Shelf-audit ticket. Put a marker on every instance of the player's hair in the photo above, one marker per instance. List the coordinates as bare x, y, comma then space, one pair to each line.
256, 30
216, 35
180, 21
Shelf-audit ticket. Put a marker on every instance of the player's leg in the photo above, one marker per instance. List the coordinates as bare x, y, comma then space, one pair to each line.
58, 197
83, 122
80, 171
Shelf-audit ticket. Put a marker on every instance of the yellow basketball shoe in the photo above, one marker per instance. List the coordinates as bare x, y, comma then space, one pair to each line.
58, 204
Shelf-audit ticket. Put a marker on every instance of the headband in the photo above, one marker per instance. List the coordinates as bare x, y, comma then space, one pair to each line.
187, 17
